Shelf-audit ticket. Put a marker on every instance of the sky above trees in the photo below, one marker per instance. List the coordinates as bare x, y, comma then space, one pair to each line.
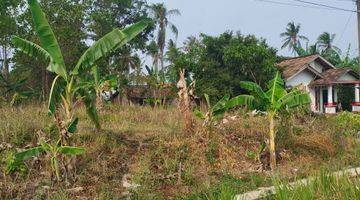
265, 19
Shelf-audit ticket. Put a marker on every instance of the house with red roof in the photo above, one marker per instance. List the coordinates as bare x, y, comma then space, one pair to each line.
320, 78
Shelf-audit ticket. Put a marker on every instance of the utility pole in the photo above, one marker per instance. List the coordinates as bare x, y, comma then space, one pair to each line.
358, 21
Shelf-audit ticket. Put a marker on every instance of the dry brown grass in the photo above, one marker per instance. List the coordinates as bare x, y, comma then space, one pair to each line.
150, 145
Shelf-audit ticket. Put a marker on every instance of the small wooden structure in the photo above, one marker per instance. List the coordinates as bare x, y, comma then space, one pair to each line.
145, 95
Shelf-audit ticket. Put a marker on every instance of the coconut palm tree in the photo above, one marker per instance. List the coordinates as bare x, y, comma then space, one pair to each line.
272, 101
291, 36
325, 43
312, 49
161, 17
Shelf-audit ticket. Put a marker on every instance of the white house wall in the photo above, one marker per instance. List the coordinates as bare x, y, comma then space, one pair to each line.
304, 78
348, 77
312, 94
319, 68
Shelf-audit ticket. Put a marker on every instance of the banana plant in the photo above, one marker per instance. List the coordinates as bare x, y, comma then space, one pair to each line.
156, 80
275, 99
67, 90
216, 112
100, 85
213, 113
54, 153
16, 89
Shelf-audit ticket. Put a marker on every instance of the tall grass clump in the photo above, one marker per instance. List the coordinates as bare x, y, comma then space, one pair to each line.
322, 186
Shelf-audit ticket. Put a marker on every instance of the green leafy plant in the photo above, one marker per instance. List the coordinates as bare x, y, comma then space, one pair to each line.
213, 113
68, 88
216, 112
54, 151
99, 85
272, 101
16, 89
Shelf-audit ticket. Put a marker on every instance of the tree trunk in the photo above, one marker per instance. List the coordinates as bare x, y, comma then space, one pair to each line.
99, 102
5, 63
272, 141
1, 60
184, 102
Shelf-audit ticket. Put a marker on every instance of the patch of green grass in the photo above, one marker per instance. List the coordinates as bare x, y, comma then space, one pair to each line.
323, 186
229, 186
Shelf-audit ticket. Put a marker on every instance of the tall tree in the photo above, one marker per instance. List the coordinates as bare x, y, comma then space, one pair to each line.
218, 64
161, 16
9, 11
325, 43
292, 37
104, 16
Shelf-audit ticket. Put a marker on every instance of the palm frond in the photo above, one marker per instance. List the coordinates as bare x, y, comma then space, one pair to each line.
175, 12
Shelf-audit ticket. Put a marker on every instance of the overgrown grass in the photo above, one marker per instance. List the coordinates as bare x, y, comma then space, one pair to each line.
150, 146
322, 186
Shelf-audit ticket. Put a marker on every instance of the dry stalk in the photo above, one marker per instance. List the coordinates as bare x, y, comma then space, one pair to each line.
184, 101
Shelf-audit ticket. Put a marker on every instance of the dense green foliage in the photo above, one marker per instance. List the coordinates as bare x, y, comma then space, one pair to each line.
77, 25
218, 64
67, 88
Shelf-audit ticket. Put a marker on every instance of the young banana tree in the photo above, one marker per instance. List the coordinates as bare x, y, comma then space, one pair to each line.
213, 113
272, 101
16, 89
67, 90
100, 85
217, 111
54, 151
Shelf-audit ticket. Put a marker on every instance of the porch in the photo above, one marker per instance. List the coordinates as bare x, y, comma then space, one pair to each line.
324, 90
325, 98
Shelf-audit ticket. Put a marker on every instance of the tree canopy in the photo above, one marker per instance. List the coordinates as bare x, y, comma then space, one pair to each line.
219, 63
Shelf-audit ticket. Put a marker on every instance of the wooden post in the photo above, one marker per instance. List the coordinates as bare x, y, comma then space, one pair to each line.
358, 21
357, 93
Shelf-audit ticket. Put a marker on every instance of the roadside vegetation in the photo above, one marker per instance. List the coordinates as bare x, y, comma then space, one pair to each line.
150, 148
236, 126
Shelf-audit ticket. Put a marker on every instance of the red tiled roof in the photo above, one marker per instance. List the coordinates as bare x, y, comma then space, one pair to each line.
332, 76
292, 66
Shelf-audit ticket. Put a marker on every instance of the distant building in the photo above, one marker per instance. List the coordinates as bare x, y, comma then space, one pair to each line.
145, 95
319, 77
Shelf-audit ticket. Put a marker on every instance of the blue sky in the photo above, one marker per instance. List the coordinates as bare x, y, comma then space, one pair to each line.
265, 20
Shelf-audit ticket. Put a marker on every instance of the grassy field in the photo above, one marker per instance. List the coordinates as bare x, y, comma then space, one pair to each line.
149, 147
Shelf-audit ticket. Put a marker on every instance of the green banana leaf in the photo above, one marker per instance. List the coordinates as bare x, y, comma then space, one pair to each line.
276, 88
255, 90
73, 126
21, 156
30, 48
241, 100
47, 39
67, 150
110, 42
